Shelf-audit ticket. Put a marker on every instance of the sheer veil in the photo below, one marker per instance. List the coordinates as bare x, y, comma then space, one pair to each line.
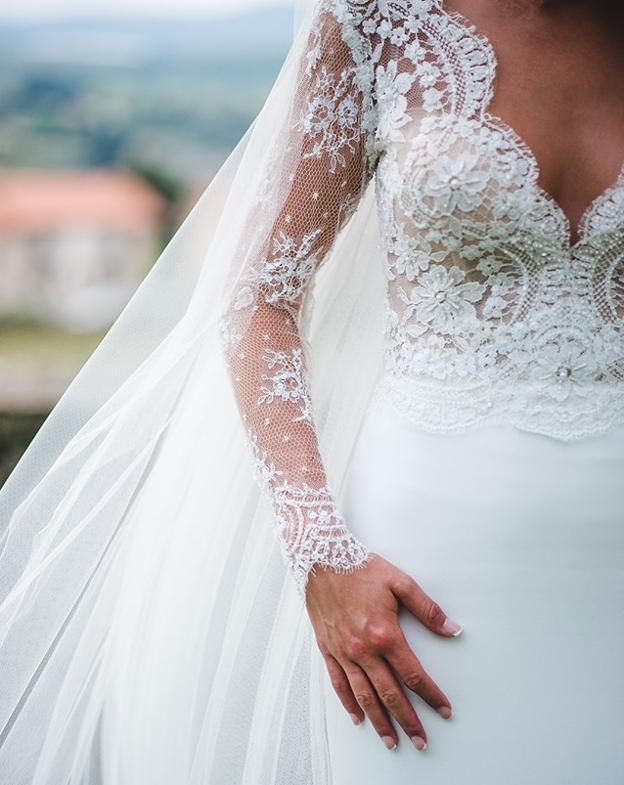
149, 631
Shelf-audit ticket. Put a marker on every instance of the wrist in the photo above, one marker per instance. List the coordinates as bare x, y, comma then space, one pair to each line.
315, 539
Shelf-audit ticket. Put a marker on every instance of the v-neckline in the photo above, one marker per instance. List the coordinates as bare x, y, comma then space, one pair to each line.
582, 225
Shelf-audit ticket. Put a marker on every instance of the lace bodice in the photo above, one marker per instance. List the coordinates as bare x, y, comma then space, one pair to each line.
493, 313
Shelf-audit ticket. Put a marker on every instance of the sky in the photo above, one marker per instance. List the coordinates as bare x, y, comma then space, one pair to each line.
50, 9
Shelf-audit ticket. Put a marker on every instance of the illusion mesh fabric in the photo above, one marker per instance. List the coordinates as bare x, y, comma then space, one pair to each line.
377, 244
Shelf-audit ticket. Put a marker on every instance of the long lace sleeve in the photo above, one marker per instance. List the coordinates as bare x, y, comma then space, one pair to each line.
320, 165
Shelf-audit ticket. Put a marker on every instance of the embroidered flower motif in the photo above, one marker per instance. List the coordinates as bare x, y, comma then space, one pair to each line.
413, 254
457, 183
562, 366
391, 89
432, 99
442, 299
420, 7
399, 36
428, 74
287, 384
488, 265
330, 119
414, 50
283, 277
369, 26
385, 28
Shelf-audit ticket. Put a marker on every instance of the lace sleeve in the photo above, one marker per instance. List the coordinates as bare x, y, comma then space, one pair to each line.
318, 169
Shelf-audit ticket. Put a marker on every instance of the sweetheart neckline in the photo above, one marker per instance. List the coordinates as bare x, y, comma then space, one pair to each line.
582, 227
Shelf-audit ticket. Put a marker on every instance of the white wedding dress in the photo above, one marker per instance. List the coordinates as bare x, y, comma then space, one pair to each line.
475, 438
491, 457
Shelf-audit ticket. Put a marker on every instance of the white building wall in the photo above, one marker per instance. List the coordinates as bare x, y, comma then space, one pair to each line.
78, 278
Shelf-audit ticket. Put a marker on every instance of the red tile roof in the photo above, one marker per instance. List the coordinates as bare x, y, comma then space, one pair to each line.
43, 200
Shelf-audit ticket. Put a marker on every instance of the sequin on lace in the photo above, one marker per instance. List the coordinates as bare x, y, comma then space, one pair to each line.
493, 313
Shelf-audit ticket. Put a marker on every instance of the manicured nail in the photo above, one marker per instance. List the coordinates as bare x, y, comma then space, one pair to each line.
452, 626
419, 743
355, 719
389, 742
445, 712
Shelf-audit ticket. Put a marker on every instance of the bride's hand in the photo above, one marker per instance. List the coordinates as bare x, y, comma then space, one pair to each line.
355, 621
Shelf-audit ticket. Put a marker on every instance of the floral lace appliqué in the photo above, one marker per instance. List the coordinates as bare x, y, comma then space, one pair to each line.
493, 313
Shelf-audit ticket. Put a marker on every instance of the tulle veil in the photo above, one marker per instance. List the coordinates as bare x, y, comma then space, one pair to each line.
149, 631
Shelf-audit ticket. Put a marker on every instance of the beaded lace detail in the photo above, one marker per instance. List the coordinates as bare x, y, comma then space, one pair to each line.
493, 313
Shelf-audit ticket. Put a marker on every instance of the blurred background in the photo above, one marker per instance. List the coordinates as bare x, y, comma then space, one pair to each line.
114, 116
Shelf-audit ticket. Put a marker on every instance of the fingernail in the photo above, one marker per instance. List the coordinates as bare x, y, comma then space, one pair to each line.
451, 626
389, 742
445, 711
419, 742
355, 719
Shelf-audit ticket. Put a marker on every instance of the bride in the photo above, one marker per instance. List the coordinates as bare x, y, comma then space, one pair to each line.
346, 472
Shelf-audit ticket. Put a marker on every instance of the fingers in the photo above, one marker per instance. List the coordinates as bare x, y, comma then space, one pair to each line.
343, 690
368, 658
411, 673
395, 702
423, 607
359, 697
372, 706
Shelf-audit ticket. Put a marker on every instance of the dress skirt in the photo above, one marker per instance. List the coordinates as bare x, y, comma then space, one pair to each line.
520, 538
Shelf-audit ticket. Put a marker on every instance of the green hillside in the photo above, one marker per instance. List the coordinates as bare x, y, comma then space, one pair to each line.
170, 96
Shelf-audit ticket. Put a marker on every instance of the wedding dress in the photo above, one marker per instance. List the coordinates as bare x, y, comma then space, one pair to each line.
452, 398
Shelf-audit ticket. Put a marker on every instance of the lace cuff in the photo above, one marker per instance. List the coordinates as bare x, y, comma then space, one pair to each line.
310, 528
312, 532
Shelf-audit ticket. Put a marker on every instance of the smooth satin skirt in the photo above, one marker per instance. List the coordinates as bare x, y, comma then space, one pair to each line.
520, 538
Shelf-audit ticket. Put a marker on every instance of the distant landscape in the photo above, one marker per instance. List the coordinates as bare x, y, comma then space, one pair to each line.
170, 98
165, 99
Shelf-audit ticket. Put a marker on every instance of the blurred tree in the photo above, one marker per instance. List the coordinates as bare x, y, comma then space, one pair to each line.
40, 92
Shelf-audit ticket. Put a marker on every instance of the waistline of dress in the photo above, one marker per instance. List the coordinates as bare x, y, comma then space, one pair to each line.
563, 409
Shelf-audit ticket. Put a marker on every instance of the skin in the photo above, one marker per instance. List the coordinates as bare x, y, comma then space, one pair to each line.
560, 85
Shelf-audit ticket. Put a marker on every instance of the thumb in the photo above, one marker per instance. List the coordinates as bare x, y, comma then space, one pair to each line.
424, 608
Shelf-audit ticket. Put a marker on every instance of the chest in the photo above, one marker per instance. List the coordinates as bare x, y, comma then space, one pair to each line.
559, 83
469, 134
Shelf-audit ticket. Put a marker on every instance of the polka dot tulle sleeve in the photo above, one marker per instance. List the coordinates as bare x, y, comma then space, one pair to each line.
321, 163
